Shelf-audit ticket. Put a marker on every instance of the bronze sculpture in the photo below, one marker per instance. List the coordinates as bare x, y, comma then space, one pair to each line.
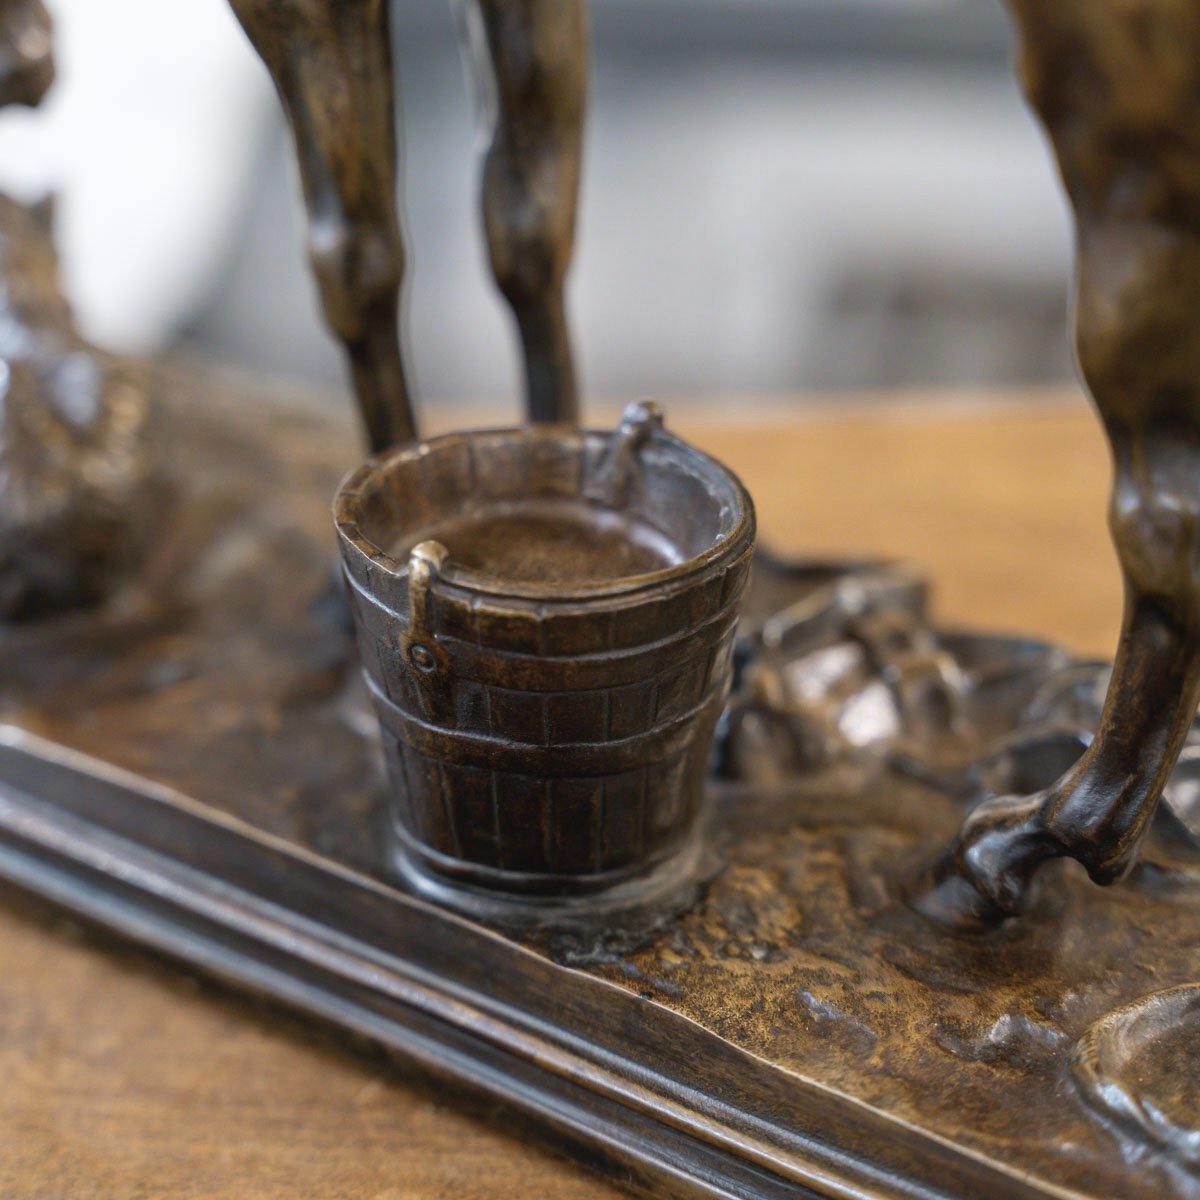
546, 620
1118, 88
537, 78
544, 612
332, 67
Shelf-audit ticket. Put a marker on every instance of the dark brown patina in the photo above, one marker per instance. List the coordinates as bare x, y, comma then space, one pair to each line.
534, 74
1117, 86
332, 65
548, 700
546, 619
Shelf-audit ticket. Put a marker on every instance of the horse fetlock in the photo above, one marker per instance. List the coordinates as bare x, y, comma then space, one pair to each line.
1090, 841
356, 269
528, 271
529, 227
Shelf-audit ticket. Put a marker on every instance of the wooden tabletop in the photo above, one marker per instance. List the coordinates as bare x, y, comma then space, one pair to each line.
125, 1077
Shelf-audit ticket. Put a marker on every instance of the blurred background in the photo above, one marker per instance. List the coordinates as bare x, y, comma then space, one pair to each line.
779, 196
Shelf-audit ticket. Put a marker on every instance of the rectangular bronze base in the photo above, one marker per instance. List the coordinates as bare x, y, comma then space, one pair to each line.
195, 768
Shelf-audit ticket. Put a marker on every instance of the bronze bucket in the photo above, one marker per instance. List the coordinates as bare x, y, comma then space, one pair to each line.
545, 618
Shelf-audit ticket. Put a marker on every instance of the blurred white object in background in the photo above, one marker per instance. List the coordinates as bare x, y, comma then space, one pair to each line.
148, 137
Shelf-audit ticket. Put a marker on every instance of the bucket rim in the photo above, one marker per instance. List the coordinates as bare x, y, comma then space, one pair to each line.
728, 544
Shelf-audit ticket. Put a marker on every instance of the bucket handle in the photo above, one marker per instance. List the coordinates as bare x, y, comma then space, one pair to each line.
419, 647
621, 462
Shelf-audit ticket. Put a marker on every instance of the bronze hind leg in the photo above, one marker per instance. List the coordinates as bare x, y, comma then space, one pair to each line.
1118, 88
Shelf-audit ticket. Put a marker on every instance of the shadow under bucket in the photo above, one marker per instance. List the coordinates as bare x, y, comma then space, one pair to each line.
545, 618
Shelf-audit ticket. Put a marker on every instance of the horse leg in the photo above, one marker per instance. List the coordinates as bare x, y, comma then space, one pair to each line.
538, 55
1118, 88
331, 62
